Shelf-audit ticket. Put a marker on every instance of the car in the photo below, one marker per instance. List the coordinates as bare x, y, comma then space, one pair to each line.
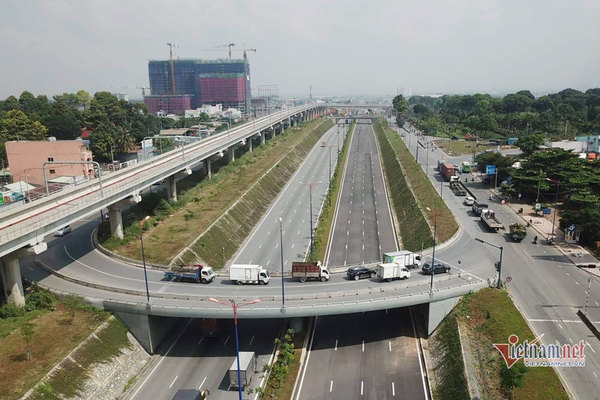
438, 268
357, 273
469, 200
63, 231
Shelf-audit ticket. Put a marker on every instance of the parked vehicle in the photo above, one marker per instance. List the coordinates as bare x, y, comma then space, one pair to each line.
491, 221
404, 258
191, 272
438, 268
388, 272
517, 232
309, 270
211, 327
357, 273
247, 273
248, 366
478, 207
448, 170
466, 167
469, 200
63, 231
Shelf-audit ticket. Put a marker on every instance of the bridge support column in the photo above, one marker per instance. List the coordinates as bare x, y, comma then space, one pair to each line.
10, 273
231, 154
149, 330
172, 188
116, 218
272, 132
438, 311
282, 127
263, 138
208, 168
249, 144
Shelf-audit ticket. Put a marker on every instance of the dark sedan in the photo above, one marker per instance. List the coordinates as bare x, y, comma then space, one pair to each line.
357, 273
438, 268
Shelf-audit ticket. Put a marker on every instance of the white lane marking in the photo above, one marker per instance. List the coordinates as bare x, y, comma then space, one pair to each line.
595, 375
331, 386
268, 233
260, 246
312, 336
591, 348
293, 245
577, 283
560, 326
202, 383
363, 346
595, 302
393, 390
251, 340
568, 274
201, 339
412, 321
389, 345
226, 340
336, 342
570, 340
361, 387
162, 359
29, 268
269, 262
171, 385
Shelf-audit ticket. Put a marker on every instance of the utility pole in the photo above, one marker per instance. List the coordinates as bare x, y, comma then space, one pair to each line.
310, 185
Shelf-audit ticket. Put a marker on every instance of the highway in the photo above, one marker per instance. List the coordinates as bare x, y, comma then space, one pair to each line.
362, 229
546, 287
292, 205
369, 355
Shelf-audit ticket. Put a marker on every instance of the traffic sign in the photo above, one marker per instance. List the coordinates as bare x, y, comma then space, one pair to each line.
547, 211
508, 279
571, 228
490, 170
538, 206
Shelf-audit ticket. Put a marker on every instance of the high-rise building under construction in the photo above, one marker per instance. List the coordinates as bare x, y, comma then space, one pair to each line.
225, 82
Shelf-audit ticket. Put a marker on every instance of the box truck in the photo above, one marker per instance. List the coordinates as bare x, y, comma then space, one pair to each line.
191, 273
404, 258
309, 270
248, 366
388, 272
247, 273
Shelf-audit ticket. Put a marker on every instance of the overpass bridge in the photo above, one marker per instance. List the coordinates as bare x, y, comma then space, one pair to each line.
23, 228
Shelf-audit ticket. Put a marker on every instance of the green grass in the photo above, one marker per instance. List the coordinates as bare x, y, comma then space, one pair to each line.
460, 147
412, 226
69, 379
491, 317
425, 193
323, 228
450, 370
223, 239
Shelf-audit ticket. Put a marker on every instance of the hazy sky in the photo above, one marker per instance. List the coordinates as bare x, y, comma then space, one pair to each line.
338, 47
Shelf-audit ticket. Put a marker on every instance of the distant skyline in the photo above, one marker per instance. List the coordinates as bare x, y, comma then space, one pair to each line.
340, 48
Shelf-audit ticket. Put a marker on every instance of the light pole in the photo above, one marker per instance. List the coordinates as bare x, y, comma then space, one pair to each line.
310, 185
144, 257
281, 245
435, 218
235, 307
427, 160
555, 202
228, 128
499, 284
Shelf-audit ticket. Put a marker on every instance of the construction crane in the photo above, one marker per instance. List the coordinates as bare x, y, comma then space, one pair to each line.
143, 90
229, 45
171, 45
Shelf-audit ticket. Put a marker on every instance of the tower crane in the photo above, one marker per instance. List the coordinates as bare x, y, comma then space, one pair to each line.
171, 45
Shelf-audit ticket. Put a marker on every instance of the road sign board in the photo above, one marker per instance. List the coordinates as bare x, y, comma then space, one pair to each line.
538, 206
547, 211
490, 170
571, 228
508, 279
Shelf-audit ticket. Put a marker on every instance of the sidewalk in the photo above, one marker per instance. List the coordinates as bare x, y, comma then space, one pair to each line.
577, 254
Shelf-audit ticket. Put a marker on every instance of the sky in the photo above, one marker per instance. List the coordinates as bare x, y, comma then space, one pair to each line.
340, 48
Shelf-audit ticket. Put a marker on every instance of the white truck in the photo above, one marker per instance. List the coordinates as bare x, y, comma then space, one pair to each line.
248, 273
248, 366
390, 271
404, 258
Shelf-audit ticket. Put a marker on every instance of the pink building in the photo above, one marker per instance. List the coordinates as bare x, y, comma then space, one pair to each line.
25, 159
170, 104
227, 89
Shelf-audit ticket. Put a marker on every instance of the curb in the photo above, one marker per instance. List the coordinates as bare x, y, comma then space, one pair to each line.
303, 356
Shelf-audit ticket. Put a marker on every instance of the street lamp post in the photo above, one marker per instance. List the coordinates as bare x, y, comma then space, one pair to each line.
427, 160
235, 307
435, 218
228, 128
499, 284
281, 245
555, 203
144, 257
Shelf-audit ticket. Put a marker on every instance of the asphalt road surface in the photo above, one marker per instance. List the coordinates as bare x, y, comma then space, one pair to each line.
293, 206
363, 356
194, 361
363, 228
546, 287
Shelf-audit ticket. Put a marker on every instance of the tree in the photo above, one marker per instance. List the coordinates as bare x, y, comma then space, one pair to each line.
83, 99
15, 125
501, 162
530, 143
400, 104
28, 333
513, 377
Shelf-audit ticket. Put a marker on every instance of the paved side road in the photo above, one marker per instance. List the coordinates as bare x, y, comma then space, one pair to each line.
363, 356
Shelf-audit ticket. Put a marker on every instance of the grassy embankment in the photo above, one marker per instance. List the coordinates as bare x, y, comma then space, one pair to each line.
491, 317
460, 147
200, 202
403, 173
323, 228
224, 237
57, 327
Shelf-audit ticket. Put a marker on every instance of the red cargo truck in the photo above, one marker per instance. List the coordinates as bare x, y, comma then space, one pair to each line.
448, 170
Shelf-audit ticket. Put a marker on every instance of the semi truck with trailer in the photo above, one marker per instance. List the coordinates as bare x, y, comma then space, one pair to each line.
192, 273
491, 221
304, 271
448, 170
248, 273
